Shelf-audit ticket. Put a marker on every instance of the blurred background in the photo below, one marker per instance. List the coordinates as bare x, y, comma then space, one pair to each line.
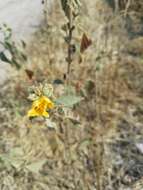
98, 145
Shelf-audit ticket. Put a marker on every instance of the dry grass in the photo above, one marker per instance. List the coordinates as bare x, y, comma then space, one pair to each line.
100, 154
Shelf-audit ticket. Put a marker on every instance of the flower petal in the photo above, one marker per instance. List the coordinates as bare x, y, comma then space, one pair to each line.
40, 106
49, 103
32, 113
45, 114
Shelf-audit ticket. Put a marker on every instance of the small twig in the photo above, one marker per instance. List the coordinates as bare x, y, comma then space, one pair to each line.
69, 58
127, 7
45, 11
70, 8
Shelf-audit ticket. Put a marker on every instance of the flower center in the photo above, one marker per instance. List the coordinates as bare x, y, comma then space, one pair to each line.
41, 107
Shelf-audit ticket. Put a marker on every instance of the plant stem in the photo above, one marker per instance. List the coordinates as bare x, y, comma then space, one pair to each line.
45, 11
70, 32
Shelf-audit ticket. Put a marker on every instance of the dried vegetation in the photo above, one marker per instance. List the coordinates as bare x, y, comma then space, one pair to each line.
105, 151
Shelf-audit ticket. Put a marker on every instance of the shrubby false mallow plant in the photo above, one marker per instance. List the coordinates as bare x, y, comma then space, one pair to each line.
44, 102
47, 106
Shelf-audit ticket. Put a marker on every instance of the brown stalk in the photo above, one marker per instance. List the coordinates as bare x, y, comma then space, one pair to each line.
70, 34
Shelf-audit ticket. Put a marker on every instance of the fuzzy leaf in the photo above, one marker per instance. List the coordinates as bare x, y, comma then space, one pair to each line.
65, 7
48, 90
36, 166
70, 90
4, 58
13, 158
77, 3
69, 100
15, 152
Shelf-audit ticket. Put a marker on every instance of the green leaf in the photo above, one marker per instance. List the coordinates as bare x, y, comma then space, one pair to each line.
23, 44
48, 90
58, 81
32, 97
11, 159
68, 101
15, 152
24, 57
8, 46
16, 163
4, 158
36, 166
77, 2
14, 62
98, 67
90, 85
4, 58
70, 90
65, 7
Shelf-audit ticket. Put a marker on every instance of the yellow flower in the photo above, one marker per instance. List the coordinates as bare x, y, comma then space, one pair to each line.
40, 107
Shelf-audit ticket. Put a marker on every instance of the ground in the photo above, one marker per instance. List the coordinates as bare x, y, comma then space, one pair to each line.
105, 151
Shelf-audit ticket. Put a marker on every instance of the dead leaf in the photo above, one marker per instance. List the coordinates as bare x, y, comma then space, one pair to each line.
85, 43
29, 73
